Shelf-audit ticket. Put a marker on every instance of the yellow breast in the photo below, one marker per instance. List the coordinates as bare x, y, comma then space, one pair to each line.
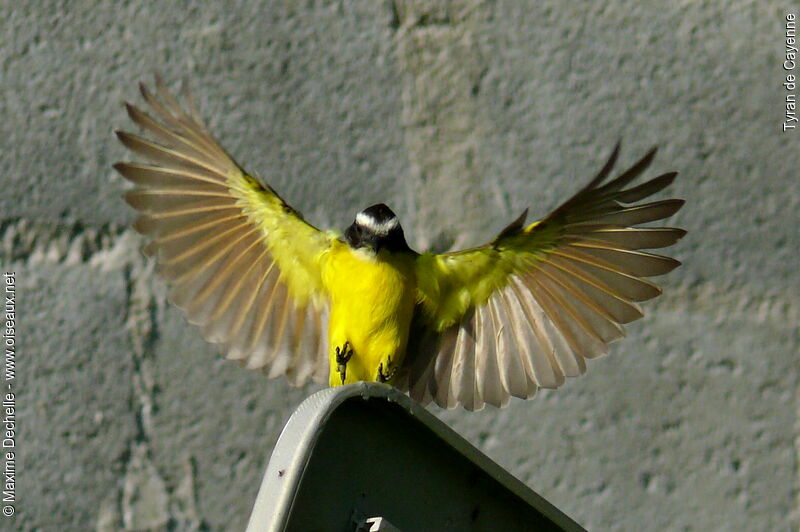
372, 300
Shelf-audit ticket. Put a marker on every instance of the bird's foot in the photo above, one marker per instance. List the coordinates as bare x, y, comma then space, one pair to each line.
386, 376
343, 356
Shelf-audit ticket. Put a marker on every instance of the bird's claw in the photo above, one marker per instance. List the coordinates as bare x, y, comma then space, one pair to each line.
385, 377
343, 356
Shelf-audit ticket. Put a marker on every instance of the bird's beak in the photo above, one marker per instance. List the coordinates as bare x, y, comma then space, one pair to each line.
351, 236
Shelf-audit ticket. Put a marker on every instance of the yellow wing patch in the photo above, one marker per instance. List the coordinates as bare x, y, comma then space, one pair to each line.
451, 284
296, 246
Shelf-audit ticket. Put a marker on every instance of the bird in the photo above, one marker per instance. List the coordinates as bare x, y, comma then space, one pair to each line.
469, 328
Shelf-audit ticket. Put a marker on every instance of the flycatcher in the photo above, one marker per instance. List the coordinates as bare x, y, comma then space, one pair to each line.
470, 327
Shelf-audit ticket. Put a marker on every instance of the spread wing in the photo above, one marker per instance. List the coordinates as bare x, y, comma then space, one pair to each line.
239, 261
526, 310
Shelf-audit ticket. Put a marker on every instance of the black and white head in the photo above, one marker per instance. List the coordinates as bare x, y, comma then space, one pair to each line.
376, 228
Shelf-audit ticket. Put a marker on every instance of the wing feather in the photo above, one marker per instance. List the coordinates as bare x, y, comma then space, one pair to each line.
206, 301
582, 336
306, 337
443, 369
640, 214
528, 309
603, 323
635, 263
217, 311
620, 284
174, 115
542, 362
465, 390
564, 344
240, 263
647, 189
203, 223
221, 322
169, 157
164, 134
536, 368
638, 238
244, 314
509, 363
599, 287
320, 363
148, 175
190, 263
487, 375
269, 298
280, 357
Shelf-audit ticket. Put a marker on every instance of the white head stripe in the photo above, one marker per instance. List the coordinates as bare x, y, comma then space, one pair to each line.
379, 228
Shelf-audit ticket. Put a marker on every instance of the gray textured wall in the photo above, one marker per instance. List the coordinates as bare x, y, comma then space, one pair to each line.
128, 420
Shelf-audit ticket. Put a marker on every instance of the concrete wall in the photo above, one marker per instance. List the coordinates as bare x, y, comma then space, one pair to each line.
459, 114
